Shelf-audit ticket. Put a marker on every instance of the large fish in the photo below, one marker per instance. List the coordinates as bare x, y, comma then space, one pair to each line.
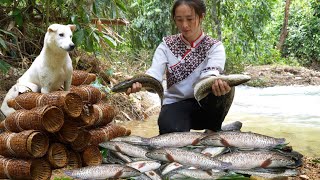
144, 166
256, 159
268, 173
126, 148
175, 139
105, 171
204, 86
147, 81
187, 158
241, 140
200, 174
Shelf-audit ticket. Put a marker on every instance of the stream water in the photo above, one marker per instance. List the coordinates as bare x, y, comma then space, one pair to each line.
291, 112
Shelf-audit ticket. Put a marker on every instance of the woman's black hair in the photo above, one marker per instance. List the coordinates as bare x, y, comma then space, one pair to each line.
198, 5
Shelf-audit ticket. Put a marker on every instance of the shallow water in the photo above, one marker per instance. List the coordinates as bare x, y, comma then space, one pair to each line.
290, 112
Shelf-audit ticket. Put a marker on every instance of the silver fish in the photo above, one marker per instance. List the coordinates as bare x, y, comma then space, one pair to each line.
203, 87
256, 159
214, 151
187, 158
153, 175
200, 174
144, 166
269, 174
170, 167
175, 139
103, 172
241, 140
132, 139
126, 148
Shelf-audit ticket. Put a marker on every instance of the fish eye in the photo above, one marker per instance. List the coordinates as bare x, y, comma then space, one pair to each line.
61, 34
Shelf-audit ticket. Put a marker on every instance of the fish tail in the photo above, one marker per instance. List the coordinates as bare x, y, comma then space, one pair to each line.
281, 141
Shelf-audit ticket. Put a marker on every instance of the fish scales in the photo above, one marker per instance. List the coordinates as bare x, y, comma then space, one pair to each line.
241, 140
269, 175
144, 166
187, 158
256, 159
204, 86
200, 174
175, 139
147, 82
126, 148
103, 172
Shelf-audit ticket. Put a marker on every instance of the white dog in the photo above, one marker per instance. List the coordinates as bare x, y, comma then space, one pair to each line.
51, 70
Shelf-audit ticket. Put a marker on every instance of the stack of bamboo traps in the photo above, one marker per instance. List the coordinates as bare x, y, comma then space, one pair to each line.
56, 130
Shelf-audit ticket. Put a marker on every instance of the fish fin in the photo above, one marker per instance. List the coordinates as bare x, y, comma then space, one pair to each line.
209, 172
224, 142
117, 148
118, 174
266, 163
196, 141
170, 158
141, 165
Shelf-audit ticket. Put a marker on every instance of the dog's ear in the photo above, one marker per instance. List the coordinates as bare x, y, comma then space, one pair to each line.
53, 27
72, 27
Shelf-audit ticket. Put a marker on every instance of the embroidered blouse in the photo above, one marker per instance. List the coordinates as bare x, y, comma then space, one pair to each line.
185, 63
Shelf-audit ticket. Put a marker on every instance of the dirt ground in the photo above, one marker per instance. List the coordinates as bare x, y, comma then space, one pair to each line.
262, 76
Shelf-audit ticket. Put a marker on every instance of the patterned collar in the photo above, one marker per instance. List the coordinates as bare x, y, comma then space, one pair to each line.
189, 57
194, 43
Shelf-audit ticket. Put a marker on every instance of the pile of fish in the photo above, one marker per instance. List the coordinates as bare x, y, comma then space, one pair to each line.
194, 155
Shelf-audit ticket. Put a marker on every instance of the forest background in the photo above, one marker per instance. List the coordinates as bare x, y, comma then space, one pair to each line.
124, 33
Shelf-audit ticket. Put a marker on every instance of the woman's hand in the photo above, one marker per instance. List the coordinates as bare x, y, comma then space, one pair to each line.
136, 87
220, 88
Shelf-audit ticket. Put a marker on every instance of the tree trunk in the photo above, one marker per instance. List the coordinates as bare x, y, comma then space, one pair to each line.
284, 30
215, 15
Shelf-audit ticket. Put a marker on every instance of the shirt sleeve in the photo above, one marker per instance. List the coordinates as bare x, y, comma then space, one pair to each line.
159, 63
216, 59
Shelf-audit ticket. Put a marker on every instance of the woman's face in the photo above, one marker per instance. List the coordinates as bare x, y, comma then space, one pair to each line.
188, 22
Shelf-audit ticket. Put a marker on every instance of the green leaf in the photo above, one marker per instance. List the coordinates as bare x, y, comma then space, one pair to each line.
110, 41
78, 37
4, 67
121, 5
3, 43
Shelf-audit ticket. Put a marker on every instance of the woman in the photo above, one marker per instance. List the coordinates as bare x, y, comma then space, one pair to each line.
186, 58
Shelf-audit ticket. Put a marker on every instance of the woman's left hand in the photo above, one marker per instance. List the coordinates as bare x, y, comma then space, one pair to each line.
220, 88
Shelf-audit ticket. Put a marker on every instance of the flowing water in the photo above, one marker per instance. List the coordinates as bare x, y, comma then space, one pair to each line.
291, 112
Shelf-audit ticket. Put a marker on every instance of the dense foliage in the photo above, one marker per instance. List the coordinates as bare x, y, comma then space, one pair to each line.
249, 29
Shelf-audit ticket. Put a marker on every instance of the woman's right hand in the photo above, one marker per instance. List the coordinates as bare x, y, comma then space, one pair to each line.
136, 87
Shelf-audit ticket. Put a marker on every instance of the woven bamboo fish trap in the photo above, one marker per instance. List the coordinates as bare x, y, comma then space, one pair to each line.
87, 115
47, 118
74, 159
27, 100
68, 133
57, 155
107, 133
82, 77
103, 114
38, 169
82, 141
91, 156
89, 94
69, 102
26, 144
